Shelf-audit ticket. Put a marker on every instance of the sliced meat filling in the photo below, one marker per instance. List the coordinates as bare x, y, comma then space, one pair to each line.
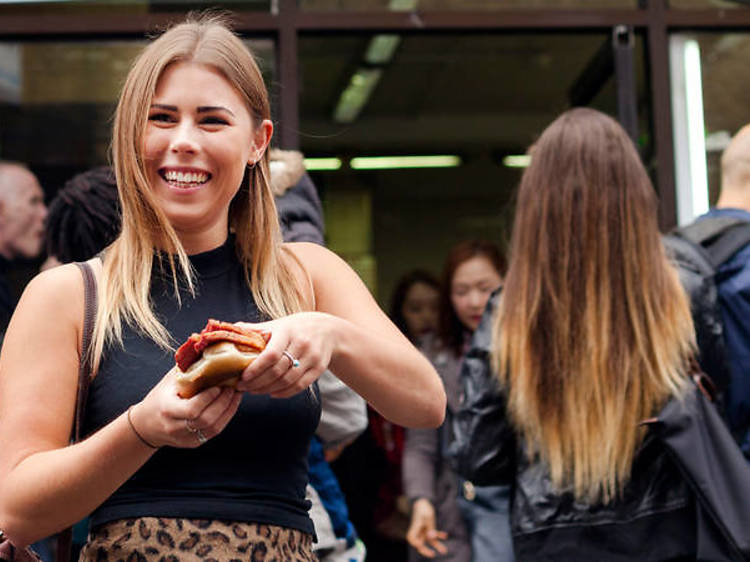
215, 332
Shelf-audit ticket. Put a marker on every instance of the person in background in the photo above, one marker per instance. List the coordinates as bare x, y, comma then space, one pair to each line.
84, 217
200, 238
439, 527
22, 215
732, 281
415, 304
590, 335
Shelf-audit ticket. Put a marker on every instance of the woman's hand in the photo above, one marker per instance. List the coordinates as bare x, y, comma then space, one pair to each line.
299, 350
422, 534
163, 418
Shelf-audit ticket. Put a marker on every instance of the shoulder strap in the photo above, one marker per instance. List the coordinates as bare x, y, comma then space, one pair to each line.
85, 365
90, 304
720, 237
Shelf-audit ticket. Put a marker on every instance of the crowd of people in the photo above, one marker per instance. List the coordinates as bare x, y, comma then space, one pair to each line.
513, 408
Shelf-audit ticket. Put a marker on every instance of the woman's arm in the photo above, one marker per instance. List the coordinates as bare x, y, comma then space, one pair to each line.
349, 334
46, 485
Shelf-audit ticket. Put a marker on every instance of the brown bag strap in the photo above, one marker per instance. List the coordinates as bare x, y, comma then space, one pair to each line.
65, 537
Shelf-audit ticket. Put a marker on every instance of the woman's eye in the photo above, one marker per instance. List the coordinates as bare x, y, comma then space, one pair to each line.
214, 121
164, 117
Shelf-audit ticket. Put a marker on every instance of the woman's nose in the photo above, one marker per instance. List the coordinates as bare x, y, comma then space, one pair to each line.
476, 298
184, 139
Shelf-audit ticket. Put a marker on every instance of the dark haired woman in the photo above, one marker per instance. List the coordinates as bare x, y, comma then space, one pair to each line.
591, 335
473, 269
415, 304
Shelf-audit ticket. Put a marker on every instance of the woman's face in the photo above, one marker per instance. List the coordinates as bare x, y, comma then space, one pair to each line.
420, 309
471, 286
198, 140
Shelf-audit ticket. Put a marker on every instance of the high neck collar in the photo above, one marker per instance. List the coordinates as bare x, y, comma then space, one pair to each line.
205, 264
216, 261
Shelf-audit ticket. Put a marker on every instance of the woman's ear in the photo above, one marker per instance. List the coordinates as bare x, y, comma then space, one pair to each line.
261, 139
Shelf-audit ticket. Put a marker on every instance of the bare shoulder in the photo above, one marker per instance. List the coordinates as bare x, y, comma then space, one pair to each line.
316, 259
50, 309
59, 287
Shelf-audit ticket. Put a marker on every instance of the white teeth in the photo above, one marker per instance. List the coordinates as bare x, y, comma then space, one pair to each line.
186, 177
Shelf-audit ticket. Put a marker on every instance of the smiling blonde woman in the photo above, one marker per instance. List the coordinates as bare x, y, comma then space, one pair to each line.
221, 474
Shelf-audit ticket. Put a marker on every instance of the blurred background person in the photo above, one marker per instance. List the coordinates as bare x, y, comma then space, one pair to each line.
415, 303
592, 335
22, 215
722, 235
84, 217
439, 528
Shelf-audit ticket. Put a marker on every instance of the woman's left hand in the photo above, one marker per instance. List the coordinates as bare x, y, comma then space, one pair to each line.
299, 350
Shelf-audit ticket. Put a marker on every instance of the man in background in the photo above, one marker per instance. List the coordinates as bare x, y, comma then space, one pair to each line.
22, 215
719, 254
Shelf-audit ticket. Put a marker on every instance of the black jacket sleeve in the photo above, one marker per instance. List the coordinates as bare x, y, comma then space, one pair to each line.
301, 213
484, 447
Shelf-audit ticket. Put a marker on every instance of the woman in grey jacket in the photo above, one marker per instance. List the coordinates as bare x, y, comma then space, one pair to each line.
438, 528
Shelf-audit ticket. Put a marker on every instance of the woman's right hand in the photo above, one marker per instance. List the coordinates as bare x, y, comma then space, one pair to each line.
422, 534
163, 418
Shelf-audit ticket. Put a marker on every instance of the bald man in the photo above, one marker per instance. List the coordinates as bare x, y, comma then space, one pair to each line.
22, 214
732, 278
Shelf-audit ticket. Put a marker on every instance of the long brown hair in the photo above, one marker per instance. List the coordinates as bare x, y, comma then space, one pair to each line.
252, 214
450, 329
593, 331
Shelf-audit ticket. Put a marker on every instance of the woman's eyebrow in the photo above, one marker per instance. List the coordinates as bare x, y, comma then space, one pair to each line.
209, 108
162, 106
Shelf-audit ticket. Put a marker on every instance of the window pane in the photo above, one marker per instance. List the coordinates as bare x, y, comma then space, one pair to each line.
725, 73
10, 7
708, 4
478, 5
480, 97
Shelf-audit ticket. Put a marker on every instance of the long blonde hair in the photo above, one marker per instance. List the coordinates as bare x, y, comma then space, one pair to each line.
593, 331
125, 283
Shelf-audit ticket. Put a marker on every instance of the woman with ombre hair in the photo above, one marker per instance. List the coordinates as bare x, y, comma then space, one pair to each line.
221, 474
590, 336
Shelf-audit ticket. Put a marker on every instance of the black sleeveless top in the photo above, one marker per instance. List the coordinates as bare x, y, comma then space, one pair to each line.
256, 469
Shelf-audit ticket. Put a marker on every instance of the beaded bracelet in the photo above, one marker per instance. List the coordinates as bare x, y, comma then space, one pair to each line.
138, 435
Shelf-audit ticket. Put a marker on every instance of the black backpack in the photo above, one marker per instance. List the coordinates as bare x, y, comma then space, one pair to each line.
698, 250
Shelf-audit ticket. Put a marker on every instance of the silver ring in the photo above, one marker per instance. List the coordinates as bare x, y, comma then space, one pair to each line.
292, 358
201, 438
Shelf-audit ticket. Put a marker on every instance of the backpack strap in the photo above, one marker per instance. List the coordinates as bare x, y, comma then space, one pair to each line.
65, 537
719, 237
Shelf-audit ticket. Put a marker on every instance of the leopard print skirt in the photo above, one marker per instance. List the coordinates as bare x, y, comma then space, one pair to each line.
170, 540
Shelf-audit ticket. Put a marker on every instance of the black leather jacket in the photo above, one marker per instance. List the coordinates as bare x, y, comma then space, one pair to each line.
654, 520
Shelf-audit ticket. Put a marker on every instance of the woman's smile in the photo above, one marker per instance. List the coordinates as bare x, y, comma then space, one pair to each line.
184, 179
